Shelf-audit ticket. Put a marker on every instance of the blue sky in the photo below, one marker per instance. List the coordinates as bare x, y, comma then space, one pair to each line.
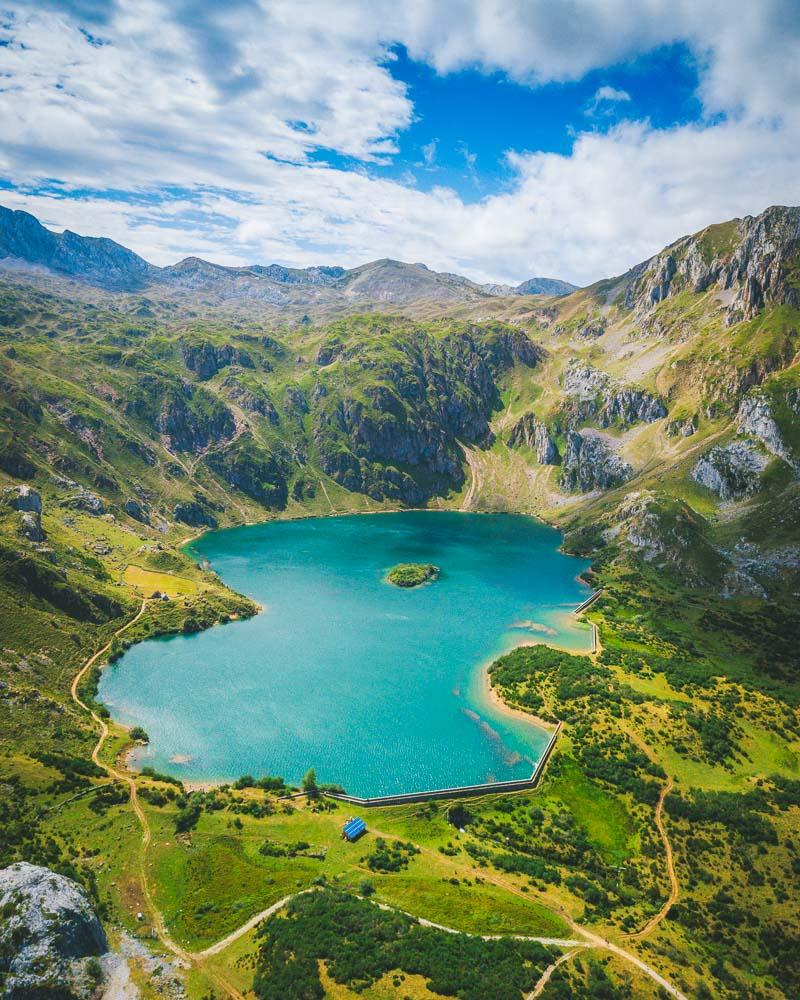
499, 138
465, 122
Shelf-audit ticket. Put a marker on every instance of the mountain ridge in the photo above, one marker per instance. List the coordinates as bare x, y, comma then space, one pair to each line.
107, 264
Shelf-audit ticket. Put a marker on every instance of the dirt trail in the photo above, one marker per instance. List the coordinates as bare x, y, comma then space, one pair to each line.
675, 888
544, 979
586, 938
185, 957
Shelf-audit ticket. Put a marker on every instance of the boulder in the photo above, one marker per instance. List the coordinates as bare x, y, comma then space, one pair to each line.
48, 930
31, 526
23, 498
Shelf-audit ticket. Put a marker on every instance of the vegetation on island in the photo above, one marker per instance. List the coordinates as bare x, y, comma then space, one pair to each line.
412, 574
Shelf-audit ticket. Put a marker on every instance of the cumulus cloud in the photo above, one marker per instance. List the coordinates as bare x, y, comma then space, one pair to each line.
192, 127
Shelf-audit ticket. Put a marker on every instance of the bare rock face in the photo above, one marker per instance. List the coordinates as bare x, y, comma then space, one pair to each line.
731, 471
87, 501
755, 418
205, 359
669, 534
751, 257
24, 498
31, 526
594, 395
589, 464
532, 433
138, 510
683, 428
48, 930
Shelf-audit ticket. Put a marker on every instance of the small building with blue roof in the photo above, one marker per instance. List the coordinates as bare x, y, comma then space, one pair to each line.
353, 829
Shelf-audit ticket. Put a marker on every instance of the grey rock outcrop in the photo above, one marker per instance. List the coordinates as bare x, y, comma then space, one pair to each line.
596, 396
755, 418
195, 514
139, 511
252, 400
86, 501
31, 526
49, 929
206, 359
731, 471
589, 463
682, 427
532, 433
23, 498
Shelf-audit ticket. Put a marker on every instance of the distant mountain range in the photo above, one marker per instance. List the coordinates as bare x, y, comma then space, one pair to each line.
108, 265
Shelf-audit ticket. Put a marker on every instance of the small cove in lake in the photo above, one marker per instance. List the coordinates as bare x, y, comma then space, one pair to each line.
381, 689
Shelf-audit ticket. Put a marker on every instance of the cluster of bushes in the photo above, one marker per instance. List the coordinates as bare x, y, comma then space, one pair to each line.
740, 812
272, 849
360, 943
390, 857
267, 783
76, 772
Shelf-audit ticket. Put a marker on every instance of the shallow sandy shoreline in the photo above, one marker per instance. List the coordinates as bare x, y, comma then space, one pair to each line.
497, 702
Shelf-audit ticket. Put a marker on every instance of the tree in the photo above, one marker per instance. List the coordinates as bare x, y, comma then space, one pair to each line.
310, 786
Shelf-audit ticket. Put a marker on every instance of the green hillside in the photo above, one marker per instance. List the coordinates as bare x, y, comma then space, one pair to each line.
654, 418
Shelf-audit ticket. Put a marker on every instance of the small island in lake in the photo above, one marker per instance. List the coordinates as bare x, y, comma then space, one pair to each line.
412, 574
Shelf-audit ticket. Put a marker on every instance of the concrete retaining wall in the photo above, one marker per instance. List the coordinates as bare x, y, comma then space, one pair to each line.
457, 792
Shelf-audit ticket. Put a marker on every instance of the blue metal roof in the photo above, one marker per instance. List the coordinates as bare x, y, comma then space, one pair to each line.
354, 828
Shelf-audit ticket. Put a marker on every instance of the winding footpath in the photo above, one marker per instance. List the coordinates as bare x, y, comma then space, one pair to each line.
675, 888
584, 938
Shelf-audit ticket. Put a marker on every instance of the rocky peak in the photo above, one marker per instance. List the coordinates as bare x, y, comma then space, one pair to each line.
755, 258
99, 261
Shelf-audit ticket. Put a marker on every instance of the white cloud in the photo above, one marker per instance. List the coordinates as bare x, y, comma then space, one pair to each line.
429, 152
225, 105
607, 93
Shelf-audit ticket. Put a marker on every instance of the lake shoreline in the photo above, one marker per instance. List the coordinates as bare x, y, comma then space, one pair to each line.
531, 591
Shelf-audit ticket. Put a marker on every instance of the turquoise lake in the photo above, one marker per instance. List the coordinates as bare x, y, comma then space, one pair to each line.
379, 689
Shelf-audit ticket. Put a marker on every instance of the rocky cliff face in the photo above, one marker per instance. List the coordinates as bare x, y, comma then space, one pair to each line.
755, 418
755, 258
28, 502
252, 399
589, 464
48, 930
532, 433
731, 471
188, 417
259, 473
205, 359
668, 534
404, 425
596, 397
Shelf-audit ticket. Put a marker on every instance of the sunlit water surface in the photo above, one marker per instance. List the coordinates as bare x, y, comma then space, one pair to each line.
379, 689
